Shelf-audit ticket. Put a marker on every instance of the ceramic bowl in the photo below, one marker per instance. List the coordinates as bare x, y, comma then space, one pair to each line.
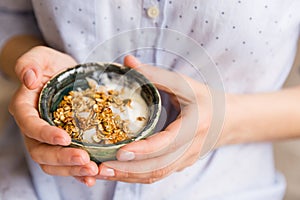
75, 79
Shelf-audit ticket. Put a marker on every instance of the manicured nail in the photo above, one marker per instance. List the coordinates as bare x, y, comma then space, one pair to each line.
77, 160
29, 77
125, 155
60, 141
105, 171
84, 171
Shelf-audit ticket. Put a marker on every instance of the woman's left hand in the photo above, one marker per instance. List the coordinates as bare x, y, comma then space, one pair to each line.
173, 149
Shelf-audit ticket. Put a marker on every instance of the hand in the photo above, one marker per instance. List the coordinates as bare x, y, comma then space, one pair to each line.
176, 147
44, 142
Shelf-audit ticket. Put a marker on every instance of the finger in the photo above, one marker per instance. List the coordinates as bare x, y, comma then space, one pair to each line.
180, 132
56, 155
90, 169
87, 180
151, 170
30, 67
23, 108
156, 145
144, 171
165, 80
107, 173
28, 70
38, 129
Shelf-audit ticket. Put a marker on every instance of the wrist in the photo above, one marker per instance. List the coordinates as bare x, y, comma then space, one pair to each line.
232, 124
261, 117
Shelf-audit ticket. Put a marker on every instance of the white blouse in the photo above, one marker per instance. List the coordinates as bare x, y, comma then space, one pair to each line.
252, 44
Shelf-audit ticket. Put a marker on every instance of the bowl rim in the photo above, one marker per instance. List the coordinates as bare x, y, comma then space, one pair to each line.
140, 135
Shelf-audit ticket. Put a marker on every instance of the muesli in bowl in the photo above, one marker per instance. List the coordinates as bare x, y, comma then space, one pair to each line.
102, 106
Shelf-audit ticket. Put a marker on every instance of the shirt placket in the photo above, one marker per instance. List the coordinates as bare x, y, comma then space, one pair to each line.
151, 16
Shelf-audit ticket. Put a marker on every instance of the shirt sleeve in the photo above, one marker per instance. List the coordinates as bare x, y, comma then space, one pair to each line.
16, 18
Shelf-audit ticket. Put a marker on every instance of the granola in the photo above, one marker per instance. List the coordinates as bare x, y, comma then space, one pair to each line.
91, 112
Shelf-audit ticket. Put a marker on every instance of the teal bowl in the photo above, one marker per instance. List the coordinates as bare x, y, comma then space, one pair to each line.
75, 79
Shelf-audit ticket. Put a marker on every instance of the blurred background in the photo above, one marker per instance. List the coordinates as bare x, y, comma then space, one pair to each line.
287, 153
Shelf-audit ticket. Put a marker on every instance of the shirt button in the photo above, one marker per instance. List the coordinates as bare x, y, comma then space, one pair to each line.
152, 12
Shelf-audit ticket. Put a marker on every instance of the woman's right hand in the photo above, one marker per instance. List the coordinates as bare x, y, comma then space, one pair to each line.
44, 142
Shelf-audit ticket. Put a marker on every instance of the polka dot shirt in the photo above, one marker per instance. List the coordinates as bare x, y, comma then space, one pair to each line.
252, 44
254, 38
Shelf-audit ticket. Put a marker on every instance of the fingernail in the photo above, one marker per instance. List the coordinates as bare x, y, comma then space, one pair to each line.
84, 171
60, 141
125, 155
29, 77
77, 160
105, 171
85, 182
82, 180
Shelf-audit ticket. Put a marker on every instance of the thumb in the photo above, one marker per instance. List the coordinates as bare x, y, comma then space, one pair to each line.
28, 70
39, 63
168, 81
30, 78
131, 61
